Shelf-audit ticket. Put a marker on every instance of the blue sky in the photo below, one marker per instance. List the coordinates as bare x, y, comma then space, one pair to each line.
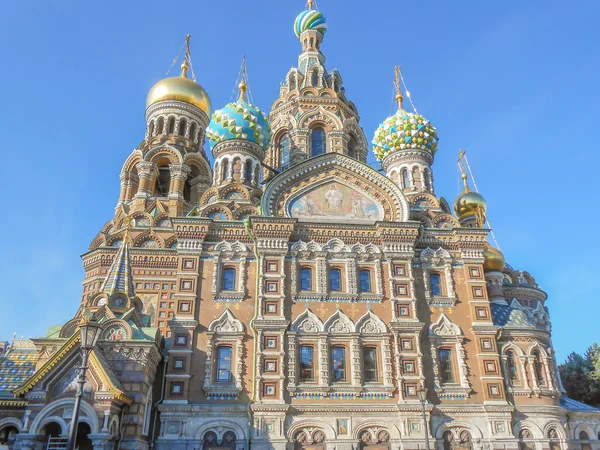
514, 83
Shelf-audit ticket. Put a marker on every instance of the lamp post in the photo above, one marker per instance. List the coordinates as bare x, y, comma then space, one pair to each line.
422, 392
90, 332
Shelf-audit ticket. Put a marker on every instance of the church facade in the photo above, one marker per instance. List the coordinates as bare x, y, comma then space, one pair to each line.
286, 295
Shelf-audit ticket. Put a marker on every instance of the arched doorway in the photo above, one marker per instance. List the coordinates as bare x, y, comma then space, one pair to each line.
211, 441
374, 439
7, 435
83, 442
304, 440
51, 431
460, 440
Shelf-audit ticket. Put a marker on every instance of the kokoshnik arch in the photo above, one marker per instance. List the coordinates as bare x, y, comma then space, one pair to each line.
289, 296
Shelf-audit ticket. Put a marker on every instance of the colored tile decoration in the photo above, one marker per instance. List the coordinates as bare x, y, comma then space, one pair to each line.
310, 20
222, 396
453, 396
239, 120
318, 396
310, 396
228, 298
16, 367
505, 316
333, 299
402, 131
120, 277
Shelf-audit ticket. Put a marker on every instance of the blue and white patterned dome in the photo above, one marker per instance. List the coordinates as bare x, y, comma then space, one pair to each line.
239, 120
310, 19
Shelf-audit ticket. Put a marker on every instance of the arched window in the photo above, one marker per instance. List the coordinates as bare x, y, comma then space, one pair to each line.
583, 436
338, 364
163, 181
284, 152
171, 125
427, 179
228, 281
446, 365
365, 280
370, 364
435, 280
335, 280
513, 375
160, 125
225, 169
224, 363
307, 367
415, 175
248, 171
538, 368
151, 128
193, 131
182, 127
315, 78
405, 181
317, 142
305, 279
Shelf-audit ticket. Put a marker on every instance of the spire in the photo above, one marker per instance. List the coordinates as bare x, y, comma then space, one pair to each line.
120, 275
243, 86
399, 96
309, 4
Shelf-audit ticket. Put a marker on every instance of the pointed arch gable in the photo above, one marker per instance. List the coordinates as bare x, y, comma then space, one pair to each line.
307, 322
339, 322
444, 327
358, 192
226, 323
370, 323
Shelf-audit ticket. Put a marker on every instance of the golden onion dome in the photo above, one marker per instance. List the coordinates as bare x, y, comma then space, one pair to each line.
493, 259
180, 88
469, 202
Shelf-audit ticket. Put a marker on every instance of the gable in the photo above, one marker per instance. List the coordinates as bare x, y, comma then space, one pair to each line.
334, 188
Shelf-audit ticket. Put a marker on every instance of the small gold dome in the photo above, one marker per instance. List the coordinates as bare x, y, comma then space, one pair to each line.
468, 203
180, 88
493, 259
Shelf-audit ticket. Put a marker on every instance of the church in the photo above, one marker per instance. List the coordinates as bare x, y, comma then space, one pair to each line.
283, 294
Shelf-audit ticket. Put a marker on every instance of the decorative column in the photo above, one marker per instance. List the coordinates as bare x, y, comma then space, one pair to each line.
125, 186
179, 173
146, 171
524, 371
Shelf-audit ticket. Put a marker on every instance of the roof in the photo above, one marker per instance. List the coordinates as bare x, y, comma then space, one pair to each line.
574, 405
120, 274
17, 366
506, 316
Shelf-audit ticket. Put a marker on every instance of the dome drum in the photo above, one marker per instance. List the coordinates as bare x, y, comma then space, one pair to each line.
406, 156
238, 147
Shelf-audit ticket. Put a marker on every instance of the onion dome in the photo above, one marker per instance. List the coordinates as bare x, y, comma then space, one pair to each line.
469, 203
404, 131
180, 88
310, 19
493, 259
239, 120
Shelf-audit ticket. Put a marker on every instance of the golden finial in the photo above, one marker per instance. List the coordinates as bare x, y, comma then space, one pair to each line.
243, 86
127, 222
399, 96
461, 163
309, 3
187, 58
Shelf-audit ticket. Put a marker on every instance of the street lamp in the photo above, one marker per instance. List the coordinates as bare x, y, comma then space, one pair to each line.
422, 392
89, 331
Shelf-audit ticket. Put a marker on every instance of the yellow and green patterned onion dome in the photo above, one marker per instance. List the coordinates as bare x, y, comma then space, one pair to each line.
403, 131
239, 120
310, 19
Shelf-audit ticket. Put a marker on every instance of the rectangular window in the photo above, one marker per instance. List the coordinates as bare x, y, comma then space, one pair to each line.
365, 280
270, 365
399, 270
176, 388
446, 365
436, 284
338, 364
335, 280
407, 344
179, 364
305, 279
228, 283
271, 342
370, 363
307, 369
224, 363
